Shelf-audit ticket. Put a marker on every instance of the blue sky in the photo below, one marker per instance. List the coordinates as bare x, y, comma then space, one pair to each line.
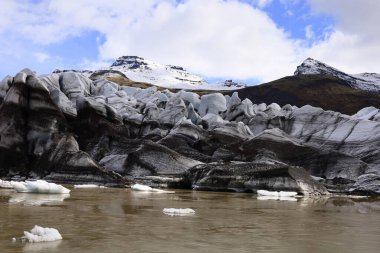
294, 17
248, 40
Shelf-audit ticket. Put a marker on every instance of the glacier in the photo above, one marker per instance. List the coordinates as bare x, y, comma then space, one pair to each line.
85, 131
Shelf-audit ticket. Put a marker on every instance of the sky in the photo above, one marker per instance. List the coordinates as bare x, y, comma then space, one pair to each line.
245, 40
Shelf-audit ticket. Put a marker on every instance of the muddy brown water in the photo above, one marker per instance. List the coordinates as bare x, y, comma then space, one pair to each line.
119, 220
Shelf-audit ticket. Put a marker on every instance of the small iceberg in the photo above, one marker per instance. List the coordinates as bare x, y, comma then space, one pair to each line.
88, 186
178, 211
39, 234
276, 193
39, 186
6, 184
145, 188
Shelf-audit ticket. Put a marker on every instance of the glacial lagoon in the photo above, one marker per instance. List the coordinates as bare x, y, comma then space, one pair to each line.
120, 220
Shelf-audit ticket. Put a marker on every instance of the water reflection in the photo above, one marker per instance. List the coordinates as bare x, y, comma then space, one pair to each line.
339, 203
276, 198
35, 199
41, 247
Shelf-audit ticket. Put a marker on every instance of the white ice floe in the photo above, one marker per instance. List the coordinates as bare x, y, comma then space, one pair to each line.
87, 186
6, 184
276, 198
39, 186
145, 188
40, 234
37, 199
178, 211
276, 193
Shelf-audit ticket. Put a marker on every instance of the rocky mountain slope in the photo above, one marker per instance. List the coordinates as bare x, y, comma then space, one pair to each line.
65, 127
318, 84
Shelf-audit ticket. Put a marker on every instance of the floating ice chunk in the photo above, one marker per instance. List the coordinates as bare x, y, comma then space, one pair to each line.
6, 184
287, 194
178, 211
86, 186
39, 186
20, 186
141, 187
37, 199
40, 234
145, 188
276, 193
276, 198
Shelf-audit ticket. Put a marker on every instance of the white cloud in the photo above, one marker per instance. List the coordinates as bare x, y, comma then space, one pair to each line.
309, 33
87, 64
354, 43
215, 38
354, 17
258, 3
7, 6
41, 56
289, 13
263, 3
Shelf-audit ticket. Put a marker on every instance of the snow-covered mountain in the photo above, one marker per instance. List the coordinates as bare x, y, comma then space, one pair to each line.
142, 70
364, 81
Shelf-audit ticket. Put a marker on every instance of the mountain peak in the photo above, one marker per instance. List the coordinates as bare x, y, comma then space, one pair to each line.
141, 69
138, 63
365, 81
314, 67
132, 62
144, 70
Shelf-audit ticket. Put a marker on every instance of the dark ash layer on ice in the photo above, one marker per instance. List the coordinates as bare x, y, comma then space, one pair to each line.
67, 128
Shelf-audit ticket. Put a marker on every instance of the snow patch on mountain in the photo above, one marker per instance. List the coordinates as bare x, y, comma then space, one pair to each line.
168, 76
369, 77
365, 81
